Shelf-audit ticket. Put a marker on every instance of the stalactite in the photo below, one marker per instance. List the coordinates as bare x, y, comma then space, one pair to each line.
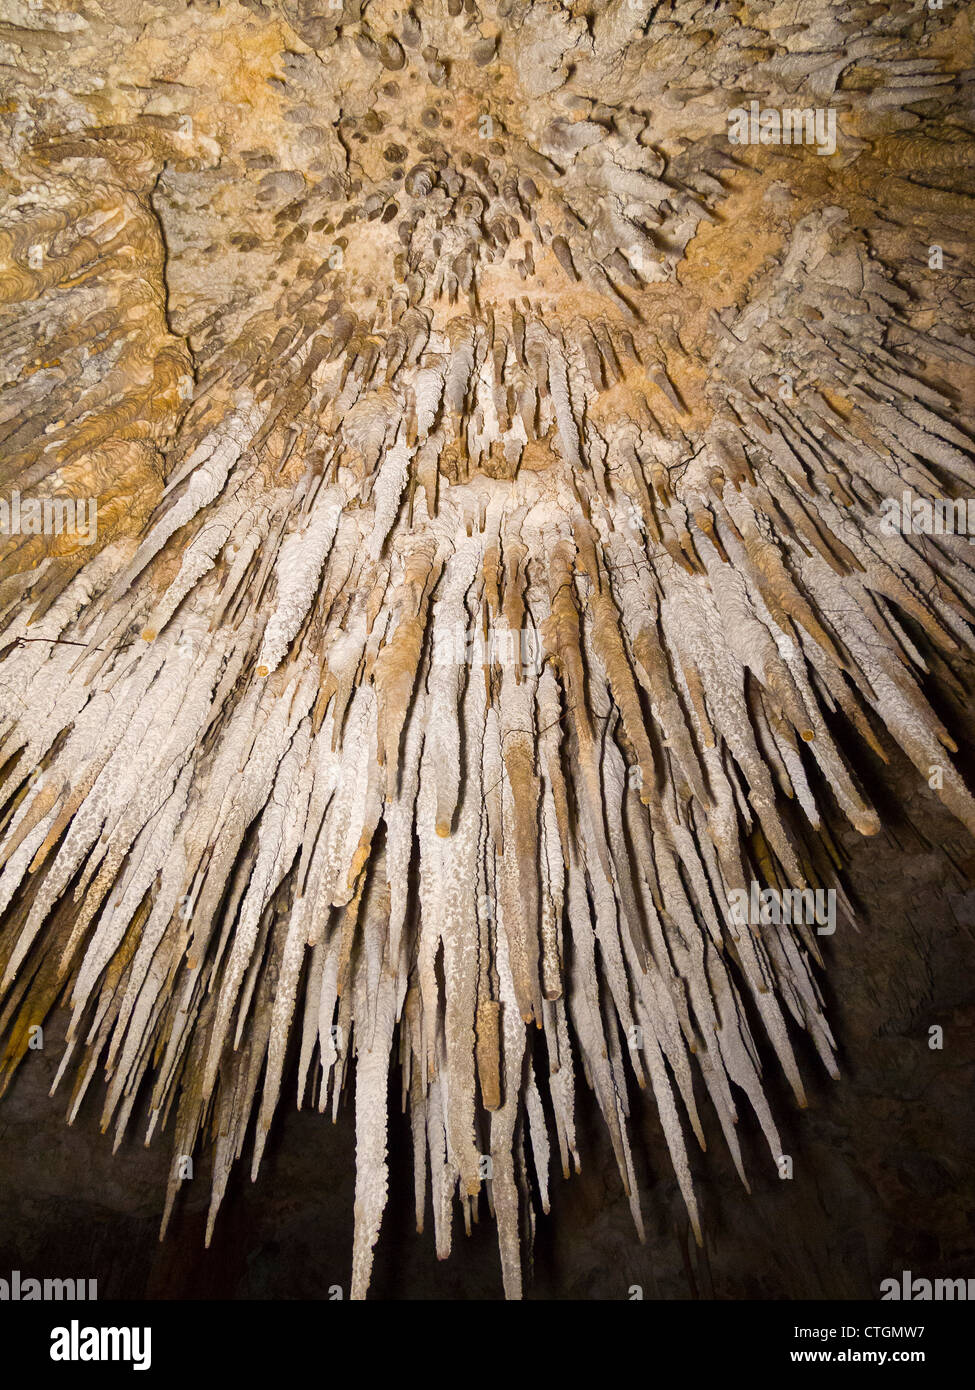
490, 548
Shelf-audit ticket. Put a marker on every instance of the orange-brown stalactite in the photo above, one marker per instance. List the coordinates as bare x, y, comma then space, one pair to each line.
491, 578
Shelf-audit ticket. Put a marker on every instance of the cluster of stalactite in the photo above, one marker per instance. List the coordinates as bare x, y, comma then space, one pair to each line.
493, 625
